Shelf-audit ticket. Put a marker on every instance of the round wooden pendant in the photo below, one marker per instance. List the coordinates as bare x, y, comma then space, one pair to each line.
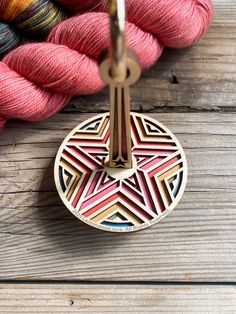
116, 199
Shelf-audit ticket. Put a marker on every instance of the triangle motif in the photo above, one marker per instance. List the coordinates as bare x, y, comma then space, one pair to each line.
153, 128
117, 217
68, 177
92, 126
133, 180
105, 181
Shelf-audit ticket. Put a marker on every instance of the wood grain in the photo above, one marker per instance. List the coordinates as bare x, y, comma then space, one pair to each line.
191, 91
41, 298
40, 239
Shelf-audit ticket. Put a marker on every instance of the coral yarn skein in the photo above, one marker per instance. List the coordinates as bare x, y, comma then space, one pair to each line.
177, 23
37, 80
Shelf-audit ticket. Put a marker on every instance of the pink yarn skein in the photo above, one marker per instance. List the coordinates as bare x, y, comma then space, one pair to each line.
37, 80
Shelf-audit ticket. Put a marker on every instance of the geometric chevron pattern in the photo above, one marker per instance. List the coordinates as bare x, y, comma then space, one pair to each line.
102, 198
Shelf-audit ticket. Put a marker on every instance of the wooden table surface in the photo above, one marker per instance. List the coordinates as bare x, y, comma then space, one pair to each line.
52, 263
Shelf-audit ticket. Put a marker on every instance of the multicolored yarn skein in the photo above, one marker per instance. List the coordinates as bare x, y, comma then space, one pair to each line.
33, 18
37, 80
8, 39
76, 6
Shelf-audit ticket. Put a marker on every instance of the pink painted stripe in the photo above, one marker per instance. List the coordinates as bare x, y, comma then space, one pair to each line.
152, 163
80, 191
95, 149
136, 207
143, 152
94, 183
146, 141
111, 199
146, 192
85, 140
99, 195
76, 161
100, 205
106, 137
133, 193
80, 154
158, 195
102, 185
135, 133
165, 165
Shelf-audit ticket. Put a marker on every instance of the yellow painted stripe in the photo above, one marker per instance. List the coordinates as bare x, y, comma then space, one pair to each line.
104, 213
103, 127
172, 170
134, 219
64, 163
72, 188
15, 8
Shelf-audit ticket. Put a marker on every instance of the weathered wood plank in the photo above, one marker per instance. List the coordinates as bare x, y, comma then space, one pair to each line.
40, 239
41, 298
205, 72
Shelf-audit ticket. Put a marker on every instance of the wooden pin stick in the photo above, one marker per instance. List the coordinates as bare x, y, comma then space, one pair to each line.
119, 69
120, 130
117, 48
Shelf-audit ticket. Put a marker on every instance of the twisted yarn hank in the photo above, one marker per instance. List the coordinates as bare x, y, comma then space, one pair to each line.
37, 80
177, 23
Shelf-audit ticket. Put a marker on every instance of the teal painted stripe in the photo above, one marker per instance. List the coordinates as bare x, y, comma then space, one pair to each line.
117, 225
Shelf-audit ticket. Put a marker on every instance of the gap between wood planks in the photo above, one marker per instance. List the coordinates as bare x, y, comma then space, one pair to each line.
141, 108
117, 282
